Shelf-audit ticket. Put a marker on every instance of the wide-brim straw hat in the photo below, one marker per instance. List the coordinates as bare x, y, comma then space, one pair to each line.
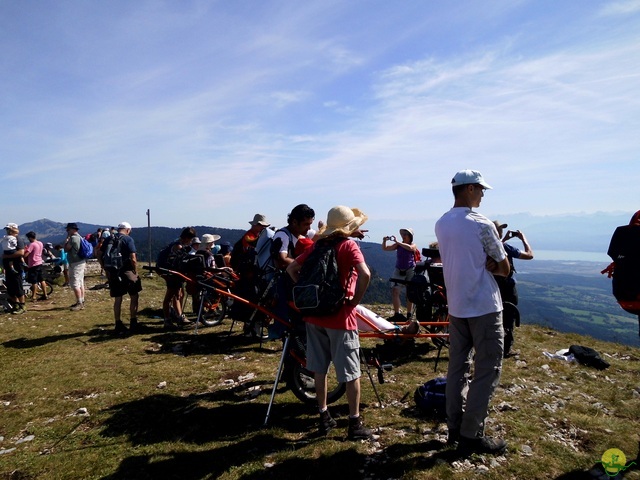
210, 238
342, 220
259, 219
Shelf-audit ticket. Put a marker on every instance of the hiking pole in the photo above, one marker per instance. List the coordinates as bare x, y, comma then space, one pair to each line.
285, 349
375, 390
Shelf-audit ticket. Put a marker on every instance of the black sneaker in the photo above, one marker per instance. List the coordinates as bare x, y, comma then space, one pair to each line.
133, 325
493, 446
326, 423
169, 326
357, 430
453, 436
121, 330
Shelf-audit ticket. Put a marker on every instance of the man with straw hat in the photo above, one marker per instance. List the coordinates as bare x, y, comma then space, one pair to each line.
334, 338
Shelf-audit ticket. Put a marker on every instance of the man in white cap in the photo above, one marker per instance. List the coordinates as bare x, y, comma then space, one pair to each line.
334, 338
120, 262
472, 253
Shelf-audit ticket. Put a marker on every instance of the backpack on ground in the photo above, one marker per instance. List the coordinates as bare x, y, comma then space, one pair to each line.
112, 258
86, 249
319, 291
430, 397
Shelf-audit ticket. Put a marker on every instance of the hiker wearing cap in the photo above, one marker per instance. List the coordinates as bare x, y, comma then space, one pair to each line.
33, 255
472, 253
12, 254
76, 265
246, 256
404, 270
124, 279
507, 285
334, 338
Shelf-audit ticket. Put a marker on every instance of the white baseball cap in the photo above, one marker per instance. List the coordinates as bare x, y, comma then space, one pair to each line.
469, 177
124, 225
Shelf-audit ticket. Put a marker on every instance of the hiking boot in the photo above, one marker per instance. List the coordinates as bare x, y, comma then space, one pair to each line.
493, 446
77, 306
121, 330
326, 423
397, 318
19, 310
42, 297
357, 430
133, 325
453, 436
169, 326
411, 329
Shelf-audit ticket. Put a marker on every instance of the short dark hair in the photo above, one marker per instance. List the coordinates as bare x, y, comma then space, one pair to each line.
458, 189
301, 212
31, 234
188, 233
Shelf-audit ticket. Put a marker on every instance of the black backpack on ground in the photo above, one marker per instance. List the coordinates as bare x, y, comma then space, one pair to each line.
430, 397
319, 291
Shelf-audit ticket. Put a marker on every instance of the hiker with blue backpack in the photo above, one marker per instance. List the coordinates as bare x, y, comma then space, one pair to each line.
333, 337
77, 257
472, 253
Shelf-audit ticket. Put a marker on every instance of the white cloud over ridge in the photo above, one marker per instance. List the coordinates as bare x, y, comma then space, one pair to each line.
212, 113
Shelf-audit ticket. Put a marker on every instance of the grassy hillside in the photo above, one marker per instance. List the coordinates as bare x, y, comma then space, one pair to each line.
76, 402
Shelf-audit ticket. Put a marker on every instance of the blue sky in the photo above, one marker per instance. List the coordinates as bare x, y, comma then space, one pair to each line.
207, 112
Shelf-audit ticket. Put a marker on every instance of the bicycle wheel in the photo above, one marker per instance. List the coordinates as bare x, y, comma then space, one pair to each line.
214, 309
301, 382
48, 289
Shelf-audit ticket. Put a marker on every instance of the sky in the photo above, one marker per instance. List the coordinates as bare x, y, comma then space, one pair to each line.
207, 112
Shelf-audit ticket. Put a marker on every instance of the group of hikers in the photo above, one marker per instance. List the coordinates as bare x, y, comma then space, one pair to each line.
477, 264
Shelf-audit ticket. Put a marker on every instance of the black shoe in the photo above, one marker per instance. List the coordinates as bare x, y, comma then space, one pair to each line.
326, 423
357, 430
453, 436
169, 326
493, 446
133, 325
121, 330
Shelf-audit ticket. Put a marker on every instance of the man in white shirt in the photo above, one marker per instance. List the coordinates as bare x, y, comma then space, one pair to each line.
472, 253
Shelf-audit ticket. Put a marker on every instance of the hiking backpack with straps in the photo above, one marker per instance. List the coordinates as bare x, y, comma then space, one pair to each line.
171, 259
86, 249
430, 397
112, 258
319, 291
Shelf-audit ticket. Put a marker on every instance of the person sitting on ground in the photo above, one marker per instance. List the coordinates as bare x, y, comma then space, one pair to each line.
174, 293
507, 285
33, 254
334, 338
404, 270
